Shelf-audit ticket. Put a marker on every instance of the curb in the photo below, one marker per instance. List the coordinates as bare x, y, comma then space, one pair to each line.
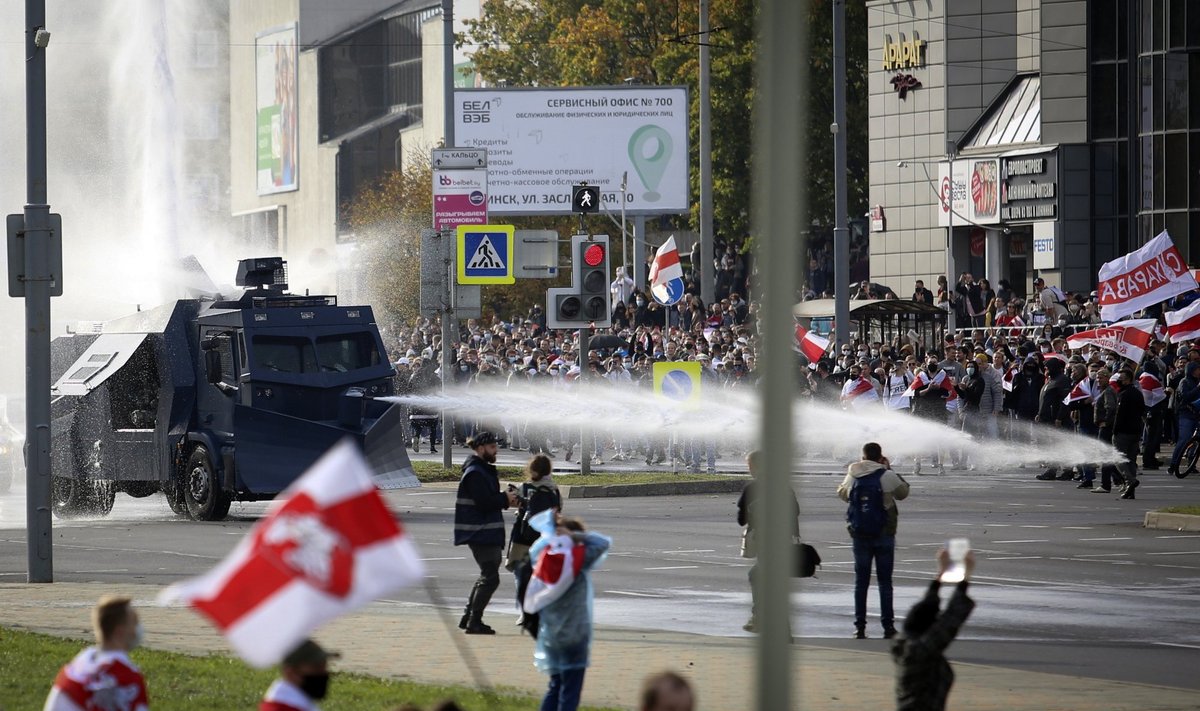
1171, 521
666, 488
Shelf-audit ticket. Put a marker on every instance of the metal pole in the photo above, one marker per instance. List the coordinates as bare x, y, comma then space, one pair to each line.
639, 252
707, 275
841, 235
38, 524
778, 205
448, 133
624, 235
951, 317
585, 445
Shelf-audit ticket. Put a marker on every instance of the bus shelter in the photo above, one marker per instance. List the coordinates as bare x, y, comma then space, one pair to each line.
890, 321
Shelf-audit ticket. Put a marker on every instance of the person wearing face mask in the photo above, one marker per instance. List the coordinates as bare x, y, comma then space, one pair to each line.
1024, 399
103, 676
303, 680
1127, 427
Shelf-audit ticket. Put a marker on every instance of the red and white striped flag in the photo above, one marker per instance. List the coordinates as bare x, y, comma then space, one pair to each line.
559, 563
328, 545
1128, 339
1152, 389
1145, 277
1184, 324
859, 392
953, 404
810, 344
1007, 381
1081, 391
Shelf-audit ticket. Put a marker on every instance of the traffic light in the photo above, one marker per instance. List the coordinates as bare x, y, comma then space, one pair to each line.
587, 300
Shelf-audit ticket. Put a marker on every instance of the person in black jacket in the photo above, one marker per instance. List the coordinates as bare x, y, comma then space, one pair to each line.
1026, 388
1051, 410
479, 524
536, 495
923, 676
1186, 414
1127, 427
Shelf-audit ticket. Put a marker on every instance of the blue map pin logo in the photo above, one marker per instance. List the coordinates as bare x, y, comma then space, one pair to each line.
650, 151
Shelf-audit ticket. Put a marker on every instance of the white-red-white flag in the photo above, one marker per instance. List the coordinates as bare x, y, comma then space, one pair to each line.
1082, 391
922, 379
1007, 381
810, 344
1128, 339
859, 392
1142, 278
1184, 324
328, 545
1152, 389
558, 564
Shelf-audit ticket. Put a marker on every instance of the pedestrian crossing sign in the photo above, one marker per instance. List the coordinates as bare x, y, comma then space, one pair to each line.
485, 254
678, 382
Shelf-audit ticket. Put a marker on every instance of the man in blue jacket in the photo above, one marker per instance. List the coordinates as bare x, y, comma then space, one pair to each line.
479, 524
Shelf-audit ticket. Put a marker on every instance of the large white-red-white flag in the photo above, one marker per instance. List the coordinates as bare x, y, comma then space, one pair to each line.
1127, 339
558, 564
1142, 278
328, 545
810, 344
1006, 383
859, 392
1184, 324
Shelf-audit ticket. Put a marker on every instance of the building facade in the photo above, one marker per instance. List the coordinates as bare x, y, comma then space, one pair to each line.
1023, 138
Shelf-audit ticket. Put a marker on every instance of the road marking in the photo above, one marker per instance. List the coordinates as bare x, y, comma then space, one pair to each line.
673, 567
698, 550
1173, 644
1177, 536
1030, 525
1099, 555
634, 594
1108, 539
1018, 557
1175, 553
429, 493
1078, 528
1029, 540
461, 557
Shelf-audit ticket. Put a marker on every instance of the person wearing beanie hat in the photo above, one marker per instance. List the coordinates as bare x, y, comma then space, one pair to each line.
303, 679
1052, 412
479, 525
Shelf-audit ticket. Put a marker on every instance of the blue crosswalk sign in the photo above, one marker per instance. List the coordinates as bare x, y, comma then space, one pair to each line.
485, 254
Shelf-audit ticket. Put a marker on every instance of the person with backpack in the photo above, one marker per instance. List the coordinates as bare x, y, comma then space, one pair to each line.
535, 496
872, 489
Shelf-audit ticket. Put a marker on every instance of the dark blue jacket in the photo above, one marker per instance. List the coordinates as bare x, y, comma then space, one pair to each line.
477, 510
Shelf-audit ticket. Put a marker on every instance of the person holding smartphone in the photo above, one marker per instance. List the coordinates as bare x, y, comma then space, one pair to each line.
923, 676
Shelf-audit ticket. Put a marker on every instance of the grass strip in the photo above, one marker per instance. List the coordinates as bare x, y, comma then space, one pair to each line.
29, 662
429, 472
1190, 510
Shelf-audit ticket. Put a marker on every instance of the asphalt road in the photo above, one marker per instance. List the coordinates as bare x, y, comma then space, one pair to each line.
1066, 581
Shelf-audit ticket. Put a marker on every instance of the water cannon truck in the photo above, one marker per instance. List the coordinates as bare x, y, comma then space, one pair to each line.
213, 400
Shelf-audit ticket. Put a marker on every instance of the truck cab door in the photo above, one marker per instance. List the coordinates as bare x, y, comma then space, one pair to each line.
219, 388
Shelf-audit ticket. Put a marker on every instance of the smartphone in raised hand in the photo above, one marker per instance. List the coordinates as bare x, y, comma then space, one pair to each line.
956, 572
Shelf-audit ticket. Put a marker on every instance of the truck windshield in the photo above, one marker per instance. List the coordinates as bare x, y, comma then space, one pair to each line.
347, 351
339, 353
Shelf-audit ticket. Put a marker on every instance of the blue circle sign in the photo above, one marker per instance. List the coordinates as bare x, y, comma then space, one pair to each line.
677, 385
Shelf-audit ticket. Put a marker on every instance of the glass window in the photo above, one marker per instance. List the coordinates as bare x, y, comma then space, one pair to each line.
347, 351
1103, 30
1147, 25
1125, 11
1176, 171
1159, 25
1147, 160
1159, 172
1194, 175
1176, 225
1175, 91
285, 354
1194, 79
1193, 28
1146, 88
1104, 101
1177, 31
1157, 96
1124, 179
1123, 99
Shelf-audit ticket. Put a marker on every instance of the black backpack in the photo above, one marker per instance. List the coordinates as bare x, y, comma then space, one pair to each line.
537, 499
865, 516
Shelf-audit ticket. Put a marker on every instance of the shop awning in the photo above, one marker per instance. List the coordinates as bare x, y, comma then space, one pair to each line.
1015, 116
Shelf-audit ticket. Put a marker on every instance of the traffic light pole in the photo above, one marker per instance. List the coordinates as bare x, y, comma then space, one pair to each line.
585, 432
448, 133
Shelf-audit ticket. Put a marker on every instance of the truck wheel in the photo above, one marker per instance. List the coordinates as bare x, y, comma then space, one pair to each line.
72, 497
206, 500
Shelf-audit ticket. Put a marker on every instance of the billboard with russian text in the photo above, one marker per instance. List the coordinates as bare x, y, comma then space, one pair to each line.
540, 142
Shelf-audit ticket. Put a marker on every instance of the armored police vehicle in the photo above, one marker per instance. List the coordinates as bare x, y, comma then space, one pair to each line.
212, 400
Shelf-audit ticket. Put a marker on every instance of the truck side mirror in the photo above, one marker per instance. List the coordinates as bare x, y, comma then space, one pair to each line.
212, 366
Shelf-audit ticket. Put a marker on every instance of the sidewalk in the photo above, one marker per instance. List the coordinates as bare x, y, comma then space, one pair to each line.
411, 642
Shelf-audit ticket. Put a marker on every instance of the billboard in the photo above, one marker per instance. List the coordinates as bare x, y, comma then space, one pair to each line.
275, 110
540, 142
976, 190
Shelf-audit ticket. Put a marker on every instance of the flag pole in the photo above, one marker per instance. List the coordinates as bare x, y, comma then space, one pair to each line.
481, 680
